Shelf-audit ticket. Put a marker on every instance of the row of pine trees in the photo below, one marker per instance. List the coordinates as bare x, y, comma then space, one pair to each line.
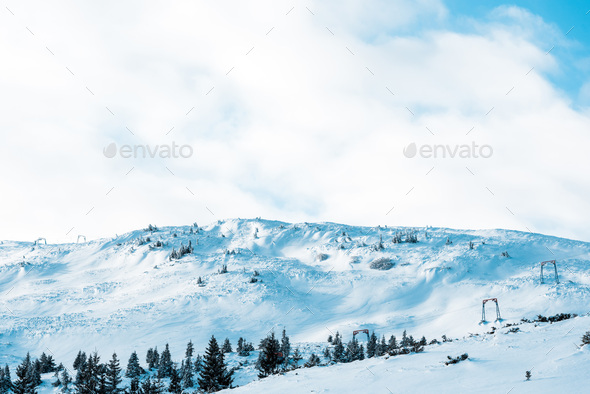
208, 373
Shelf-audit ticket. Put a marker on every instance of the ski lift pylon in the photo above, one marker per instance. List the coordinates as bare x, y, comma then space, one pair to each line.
483, 309
543, 263
364, 330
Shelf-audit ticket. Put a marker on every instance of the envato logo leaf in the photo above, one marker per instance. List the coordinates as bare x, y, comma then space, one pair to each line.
464, 151
148, 151
410, 150
110, 150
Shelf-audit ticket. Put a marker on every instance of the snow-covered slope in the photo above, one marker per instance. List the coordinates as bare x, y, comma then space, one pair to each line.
314, 279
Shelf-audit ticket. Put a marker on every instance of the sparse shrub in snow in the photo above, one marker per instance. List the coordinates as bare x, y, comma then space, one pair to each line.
223, 269
330, 338
449, 242
151, 228
586, 338
457, 359
379, 245
355, 259
244, 348
296, 357
411, 237
321, 257
514, 329
505, 254
183, 250
327, 353
253, 280
382, 263
528, 375
551, 319
470, 245
313, 361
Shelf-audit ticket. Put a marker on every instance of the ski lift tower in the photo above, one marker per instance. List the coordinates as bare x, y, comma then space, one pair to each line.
543, 263
483, 309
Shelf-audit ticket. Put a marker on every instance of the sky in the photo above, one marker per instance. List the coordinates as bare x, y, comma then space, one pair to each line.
295, 111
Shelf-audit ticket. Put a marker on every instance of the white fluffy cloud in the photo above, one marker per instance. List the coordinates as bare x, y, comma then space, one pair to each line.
303, 127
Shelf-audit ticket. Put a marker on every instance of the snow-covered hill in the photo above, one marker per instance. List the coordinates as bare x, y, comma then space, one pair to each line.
125, 294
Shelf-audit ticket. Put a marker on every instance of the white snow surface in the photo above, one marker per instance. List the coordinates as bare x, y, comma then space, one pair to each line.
315, 279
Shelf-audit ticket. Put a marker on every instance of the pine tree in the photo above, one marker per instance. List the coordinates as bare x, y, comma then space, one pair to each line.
5, 380
528, 375
285, 346
214, 375
330, 338
65, 381
240, 346
353, 351
174, 386
80, 359
134, 386
134, 370
338, 354
313, 361
226, 348
381, 347
89, 375
405, 342
152, 358
327, 353
268, 358
296, 357
198, 363
113, 375
36, 373
43, 361
150, 386
392, 345
187, 368
165, 367
586, 338
21, 384
372, 345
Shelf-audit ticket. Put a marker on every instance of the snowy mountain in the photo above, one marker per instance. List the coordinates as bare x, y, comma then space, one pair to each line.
126, 293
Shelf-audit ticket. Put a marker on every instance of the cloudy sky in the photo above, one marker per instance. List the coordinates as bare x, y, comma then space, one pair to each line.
297, 111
